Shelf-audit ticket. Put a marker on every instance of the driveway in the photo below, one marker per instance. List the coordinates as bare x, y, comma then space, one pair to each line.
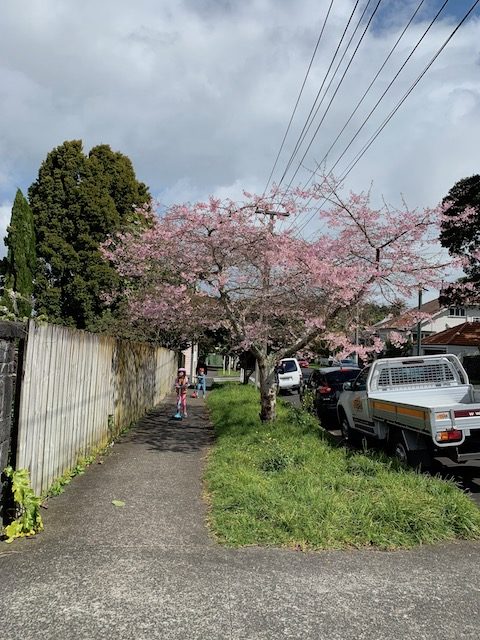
150, 569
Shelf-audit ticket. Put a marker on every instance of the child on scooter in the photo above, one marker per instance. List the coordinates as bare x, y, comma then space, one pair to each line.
181, 386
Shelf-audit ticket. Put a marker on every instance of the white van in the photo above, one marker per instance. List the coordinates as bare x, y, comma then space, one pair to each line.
289, 375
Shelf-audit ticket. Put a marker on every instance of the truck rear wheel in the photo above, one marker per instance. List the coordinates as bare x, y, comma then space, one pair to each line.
400, 451
416, 458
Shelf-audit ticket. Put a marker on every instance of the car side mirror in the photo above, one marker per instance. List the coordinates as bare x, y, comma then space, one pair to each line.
347, 386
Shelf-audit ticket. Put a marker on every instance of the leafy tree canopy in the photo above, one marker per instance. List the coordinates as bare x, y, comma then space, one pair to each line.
77, 200
460, 234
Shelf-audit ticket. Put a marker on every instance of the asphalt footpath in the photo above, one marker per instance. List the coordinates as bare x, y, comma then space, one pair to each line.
150, 569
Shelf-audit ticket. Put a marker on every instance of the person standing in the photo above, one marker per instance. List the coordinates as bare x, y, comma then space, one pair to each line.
202, 378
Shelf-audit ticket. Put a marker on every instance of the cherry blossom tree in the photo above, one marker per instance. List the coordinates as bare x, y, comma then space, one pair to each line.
244, 267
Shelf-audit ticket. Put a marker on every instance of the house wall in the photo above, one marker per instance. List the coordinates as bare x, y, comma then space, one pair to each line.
191, 360
457, 350
443, 320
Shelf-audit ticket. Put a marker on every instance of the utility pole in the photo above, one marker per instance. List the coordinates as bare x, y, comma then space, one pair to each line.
419, 323
357, 321
265, 269
272, 214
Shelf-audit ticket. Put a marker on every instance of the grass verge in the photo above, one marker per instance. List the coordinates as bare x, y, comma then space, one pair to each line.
287, 484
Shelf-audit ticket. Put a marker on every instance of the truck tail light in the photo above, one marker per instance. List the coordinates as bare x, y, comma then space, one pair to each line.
454, 435
324, 390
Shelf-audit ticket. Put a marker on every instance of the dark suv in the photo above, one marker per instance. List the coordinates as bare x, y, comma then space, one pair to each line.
327, 384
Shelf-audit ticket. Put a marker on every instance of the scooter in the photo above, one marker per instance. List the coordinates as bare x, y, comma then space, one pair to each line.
178, 415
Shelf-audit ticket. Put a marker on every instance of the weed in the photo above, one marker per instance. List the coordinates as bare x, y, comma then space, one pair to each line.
308, 401
28, 521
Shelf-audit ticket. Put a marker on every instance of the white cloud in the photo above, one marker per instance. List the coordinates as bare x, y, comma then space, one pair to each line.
198, 93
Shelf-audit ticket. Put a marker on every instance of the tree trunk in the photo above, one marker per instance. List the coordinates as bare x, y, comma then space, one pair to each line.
268, 392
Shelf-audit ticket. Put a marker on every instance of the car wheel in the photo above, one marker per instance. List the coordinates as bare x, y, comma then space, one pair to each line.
400, 451
346, 429
419, 458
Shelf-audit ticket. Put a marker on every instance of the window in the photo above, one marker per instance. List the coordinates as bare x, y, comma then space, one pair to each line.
288, 366
456, 312
475, 319
338, 377
360, 383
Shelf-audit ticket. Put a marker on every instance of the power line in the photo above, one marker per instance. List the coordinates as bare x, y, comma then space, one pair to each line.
389, 86
407, 59
392, 113
360, 102
397, 107
299, 96
335, 92
419, 78
321, 86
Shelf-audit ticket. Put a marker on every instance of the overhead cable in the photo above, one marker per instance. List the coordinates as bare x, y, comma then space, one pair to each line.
315, 107
362, 152
335, 93
299, 96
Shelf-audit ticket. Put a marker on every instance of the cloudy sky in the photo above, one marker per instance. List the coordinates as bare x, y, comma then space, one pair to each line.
198, 93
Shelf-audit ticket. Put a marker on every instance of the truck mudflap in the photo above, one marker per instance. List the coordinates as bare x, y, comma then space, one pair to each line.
469, 450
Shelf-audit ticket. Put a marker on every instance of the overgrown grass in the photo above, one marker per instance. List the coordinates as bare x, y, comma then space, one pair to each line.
287, 484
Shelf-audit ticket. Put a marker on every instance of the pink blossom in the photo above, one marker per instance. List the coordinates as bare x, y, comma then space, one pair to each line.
221, 263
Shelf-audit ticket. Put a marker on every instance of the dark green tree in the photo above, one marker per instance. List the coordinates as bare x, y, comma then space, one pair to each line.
77, 200
460, 231
20, 264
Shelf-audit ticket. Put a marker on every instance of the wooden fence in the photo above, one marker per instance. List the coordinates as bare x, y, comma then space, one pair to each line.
78, 391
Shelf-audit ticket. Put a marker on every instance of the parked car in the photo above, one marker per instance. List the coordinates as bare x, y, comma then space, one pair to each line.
417, 407
345, 362
304, 364
327, 384
289, 375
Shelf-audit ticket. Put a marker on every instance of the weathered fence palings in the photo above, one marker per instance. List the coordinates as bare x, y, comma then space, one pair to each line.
78, 390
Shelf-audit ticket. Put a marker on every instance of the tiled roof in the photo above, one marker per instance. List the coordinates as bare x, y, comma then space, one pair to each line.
400, 321
465, 335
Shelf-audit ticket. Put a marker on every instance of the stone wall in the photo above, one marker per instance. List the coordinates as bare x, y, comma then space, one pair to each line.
10, 333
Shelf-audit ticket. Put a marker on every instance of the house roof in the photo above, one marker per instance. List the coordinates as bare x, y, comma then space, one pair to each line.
465, 335
405, 319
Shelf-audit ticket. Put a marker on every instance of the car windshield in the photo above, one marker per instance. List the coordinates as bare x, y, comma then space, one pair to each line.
336, 377
288, 366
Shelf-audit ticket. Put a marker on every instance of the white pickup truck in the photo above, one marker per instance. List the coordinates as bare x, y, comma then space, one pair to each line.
418, 406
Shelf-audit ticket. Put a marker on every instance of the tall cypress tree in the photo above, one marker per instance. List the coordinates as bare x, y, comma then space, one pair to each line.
20, 262
77, 200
